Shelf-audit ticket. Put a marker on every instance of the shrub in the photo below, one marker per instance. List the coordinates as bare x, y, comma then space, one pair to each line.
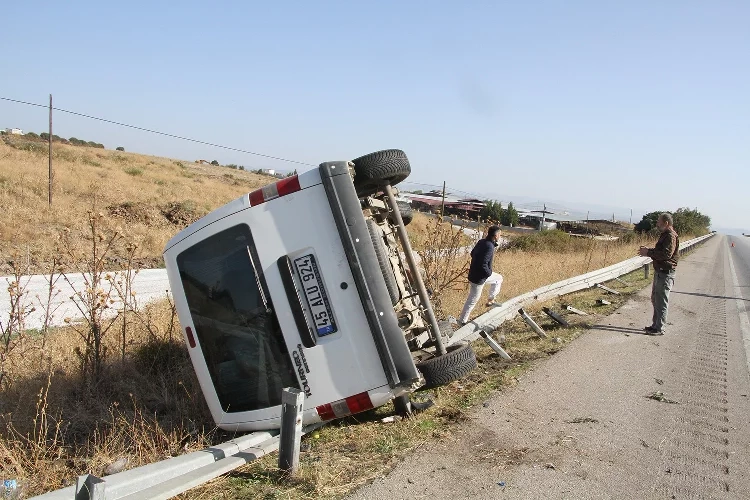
30, 146
629, 237
32, 135
510, 216
215, 163
119, 148
555, 241
492, 211
64, 154
134, 171
686, 221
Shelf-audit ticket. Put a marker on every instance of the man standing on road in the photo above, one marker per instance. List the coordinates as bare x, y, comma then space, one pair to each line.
480, 272
665, 255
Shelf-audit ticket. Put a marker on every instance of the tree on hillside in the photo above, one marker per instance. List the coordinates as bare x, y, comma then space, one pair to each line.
120, 148
510, 216
644, 226
686, 221
215, 163
492, 211
689, 221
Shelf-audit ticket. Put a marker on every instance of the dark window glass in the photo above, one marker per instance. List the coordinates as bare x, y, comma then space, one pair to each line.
235, 324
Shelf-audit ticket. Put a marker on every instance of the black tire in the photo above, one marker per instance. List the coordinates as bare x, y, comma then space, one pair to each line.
406, 213
376, 235
373, 171
456, 363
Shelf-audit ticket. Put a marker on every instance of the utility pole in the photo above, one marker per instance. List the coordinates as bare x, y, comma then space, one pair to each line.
631, 215
49, 144
442, 204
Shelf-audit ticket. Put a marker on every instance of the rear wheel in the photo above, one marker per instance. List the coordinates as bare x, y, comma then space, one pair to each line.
376, 235
373, 171
406, 213
458, 361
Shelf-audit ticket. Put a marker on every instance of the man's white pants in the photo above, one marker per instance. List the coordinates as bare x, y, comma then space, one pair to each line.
475, 292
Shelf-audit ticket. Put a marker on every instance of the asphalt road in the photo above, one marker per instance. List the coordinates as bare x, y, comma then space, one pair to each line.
580, 424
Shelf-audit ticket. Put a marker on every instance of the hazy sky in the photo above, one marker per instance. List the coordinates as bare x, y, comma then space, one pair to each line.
633, 104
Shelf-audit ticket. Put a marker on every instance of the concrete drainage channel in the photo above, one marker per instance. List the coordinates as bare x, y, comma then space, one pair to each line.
168, 478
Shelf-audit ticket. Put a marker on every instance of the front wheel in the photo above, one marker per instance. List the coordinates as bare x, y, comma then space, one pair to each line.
372, 172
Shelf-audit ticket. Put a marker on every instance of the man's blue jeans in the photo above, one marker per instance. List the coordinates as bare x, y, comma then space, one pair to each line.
663, 283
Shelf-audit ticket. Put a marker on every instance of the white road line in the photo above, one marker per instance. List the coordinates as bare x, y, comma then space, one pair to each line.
742, 309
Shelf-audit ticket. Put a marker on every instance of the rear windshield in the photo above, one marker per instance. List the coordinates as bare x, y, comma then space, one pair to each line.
238, 332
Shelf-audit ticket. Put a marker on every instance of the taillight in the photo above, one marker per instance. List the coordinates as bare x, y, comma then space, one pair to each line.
275, 190
191, 339
343, 407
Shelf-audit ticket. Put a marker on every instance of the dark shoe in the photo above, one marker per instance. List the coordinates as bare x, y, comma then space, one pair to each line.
650, 330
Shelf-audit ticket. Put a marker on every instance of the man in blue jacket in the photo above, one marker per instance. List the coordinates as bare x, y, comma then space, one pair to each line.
480, 272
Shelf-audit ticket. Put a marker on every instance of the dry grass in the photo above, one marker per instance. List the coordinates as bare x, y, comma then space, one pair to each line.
522, 271
147, 405
151, 198
55, 424
352, 452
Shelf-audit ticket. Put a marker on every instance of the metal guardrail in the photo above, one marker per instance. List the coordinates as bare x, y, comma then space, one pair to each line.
165, 479
491, 320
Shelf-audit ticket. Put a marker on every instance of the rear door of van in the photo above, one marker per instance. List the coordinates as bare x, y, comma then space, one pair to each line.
271, 300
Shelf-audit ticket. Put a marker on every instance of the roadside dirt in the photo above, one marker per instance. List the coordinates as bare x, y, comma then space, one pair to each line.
582, 424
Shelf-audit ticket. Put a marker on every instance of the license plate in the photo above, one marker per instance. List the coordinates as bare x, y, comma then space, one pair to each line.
315, 295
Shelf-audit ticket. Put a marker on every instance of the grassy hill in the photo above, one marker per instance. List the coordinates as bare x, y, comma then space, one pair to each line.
148, 198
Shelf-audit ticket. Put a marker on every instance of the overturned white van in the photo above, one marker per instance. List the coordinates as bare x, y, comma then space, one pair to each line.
307, 283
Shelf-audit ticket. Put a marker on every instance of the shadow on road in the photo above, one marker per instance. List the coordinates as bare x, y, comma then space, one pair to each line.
620, 329
711, 296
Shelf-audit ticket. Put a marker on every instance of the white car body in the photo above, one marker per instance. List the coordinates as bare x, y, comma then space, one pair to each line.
247, 295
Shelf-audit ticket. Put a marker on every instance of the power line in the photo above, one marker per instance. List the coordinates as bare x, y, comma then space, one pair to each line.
143, 129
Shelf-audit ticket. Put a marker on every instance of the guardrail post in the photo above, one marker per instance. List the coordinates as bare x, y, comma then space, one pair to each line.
552, 314
494, 345
575, 311
607, 289
291, 429
532, 324
645, 271
89, 487
402, 405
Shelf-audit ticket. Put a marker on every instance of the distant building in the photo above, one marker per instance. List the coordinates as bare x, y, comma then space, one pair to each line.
431, 202
269, 171
14, 131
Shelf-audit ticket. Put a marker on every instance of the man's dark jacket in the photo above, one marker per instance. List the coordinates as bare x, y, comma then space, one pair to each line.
667, 251
481, 261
